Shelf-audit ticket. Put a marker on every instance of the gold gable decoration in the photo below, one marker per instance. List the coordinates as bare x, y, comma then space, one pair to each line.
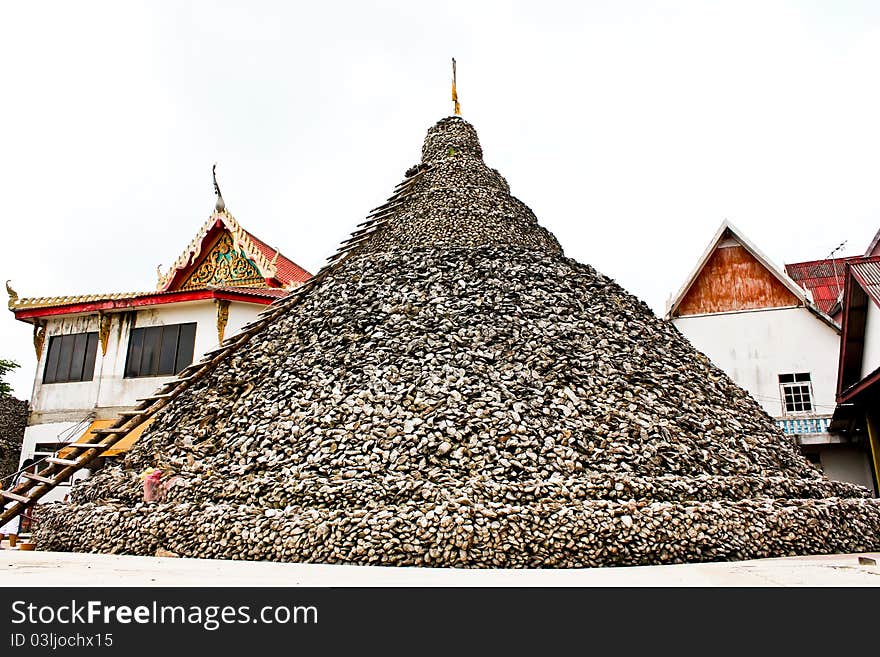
224, 266
240, 237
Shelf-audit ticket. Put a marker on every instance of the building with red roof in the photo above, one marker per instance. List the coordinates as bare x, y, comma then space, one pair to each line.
98, 354
825, 279
770, 330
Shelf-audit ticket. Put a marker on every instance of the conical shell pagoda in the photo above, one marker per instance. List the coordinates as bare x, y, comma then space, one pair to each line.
456, 392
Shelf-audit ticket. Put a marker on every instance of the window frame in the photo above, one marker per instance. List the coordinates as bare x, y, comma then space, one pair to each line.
84, 342
798, 388
153, 343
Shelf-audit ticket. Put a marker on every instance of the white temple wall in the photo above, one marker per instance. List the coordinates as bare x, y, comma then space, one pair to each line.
63, 396
109, 390
116, 390
239, 315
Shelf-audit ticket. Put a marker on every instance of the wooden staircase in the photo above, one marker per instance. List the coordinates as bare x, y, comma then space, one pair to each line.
58, 470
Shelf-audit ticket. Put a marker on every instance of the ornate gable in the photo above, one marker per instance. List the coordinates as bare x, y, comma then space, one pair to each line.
224, 265
223, 254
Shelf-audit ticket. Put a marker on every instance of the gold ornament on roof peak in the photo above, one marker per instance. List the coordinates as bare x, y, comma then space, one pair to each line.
220, 205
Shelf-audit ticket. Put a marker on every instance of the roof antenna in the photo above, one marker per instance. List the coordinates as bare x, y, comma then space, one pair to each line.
454, 92
834, 265
219, 206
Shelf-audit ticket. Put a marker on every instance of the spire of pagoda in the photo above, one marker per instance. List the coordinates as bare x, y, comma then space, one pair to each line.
455, 91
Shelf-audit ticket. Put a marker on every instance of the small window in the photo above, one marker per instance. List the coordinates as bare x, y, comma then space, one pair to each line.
71, 358
797, 393
160, 350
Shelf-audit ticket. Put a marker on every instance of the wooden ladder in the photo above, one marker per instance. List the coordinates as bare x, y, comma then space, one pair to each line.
58, 470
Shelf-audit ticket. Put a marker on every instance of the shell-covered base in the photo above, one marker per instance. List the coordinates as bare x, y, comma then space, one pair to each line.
546, 533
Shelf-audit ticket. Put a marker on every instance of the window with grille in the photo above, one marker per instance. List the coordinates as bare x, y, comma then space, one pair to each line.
160, 350
71, 358
797, 393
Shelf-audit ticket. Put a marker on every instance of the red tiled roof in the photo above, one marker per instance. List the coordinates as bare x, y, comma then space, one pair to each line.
268, 292
282, 272
286, 270
823, 278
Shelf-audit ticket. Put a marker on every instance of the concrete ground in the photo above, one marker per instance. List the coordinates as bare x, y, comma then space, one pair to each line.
19, 568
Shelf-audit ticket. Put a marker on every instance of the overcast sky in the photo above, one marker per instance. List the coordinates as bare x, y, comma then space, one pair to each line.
632, 129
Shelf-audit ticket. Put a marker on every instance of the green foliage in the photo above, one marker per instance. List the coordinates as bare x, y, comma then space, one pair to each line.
6, 366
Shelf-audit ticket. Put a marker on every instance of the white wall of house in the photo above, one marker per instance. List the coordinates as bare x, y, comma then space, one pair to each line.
755, 347
871, 355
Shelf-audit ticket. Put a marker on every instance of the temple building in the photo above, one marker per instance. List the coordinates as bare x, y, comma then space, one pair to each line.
98, 354
774, 332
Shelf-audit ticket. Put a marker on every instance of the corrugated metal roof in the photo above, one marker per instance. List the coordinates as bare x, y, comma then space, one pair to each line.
823, 278
867, 273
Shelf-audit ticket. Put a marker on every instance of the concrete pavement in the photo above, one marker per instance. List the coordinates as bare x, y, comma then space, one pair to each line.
19, 568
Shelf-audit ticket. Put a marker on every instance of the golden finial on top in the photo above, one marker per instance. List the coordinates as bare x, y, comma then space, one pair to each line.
454, 91
220, 205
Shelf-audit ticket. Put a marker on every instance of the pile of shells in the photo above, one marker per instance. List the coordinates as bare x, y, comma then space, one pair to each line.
13, 419
458, 393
